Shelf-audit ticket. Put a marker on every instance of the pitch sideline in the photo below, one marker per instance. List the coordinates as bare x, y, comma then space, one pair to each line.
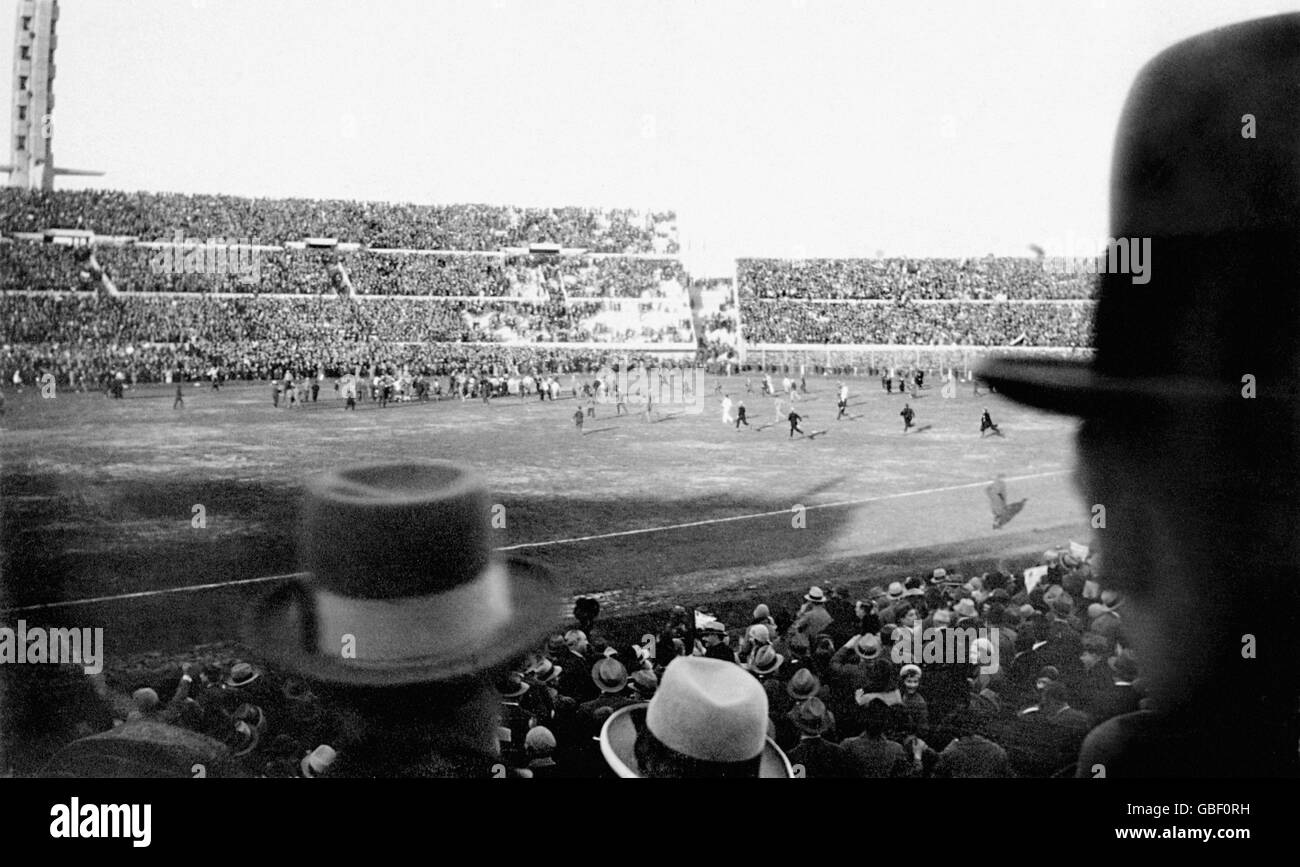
143, 594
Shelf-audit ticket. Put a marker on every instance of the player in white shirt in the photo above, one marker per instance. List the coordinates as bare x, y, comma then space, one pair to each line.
726, 410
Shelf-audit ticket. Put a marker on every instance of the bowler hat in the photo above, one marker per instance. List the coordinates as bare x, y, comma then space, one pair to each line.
1220, 207
438, 607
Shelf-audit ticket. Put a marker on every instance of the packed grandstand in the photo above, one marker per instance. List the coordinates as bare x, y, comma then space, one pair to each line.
334, 286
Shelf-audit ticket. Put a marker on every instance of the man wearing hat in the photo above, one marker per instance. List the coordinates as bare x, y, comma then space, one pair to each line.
610, 677
708, 719
516, 719
815, 757
784, 698
576, 660
813, 617
714, 638
1190, 435
860, 671
405, 642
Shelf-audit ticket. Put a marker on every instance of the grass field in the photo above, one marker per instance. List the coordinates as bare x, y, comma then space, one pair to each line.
98, 496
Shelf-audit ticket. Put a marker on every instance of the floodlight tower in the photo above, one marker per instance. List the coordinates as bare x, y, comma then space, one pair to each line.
31, 139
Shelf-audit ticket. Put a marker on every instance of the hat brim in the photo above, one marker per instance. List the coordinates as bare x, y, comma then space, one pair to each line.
771, 669
1076, 388
618, 746
282, 626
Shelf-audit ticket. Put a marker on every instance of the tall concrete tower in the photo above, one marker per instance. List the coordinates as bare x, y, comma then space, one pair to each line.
31, 140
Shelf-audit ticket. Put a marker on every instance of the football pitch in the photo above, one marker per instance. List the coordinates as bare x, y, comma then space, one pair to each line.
162, 525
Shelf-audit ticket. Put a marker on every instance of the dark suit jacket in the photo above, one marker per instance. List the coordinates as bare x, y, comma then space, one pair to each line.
821, 758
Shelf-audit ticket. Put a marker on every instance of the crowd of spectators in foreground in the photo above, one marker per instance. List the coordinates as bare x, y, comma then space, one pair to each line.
845, 695
991, 278
157, 216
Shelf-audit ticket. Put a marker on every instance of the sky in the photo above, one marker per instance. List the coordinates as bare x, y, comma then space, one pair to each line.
772, 127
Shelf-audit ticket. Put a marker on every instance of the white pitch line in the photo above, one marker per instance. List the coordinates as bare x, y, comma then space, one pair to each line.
706, 522
144, 593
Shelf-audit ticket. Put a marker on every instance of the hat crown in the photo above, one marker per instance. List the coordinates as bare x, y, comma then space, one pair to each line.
811, 711
441, 505
1214, 215
709, 710
804, 683
609, 673
764, 658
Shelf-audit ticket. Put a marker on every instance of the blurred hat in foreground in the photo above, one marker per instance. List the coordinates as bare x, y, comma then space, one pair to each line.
1205, 169
403, 584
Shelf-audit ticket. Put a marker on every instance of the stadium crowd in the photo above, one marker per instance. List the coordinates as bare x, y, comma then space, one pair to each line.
846, 696
157, 216
990, 278
320, 271
1060, 324
90, 335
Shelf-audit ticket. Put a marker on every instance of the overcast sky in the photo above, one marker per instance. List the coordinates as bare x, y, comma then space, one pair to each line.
773, 127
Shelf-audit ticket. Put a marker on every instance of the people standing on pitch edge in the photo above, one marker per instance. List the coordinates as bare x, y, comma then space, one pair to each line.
907, 415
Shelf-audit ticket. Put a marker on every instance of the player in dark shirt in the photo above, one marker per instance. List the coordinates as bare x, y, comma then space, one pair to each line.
986, 423
740, 415
794, 418
907, 415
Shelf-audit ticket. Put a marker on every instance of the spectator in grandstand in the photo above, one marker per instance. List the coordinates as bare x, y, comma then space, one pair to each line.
610, 677
539, 745
707, 720
577, 660
714, 638
815, 756
1198, 499
872, 754
413, 684
813, 617
970, 754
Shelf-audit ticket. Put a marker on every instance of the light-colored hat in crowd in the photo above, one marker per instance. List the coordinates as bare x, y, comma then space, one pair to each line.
318, 761
705, 709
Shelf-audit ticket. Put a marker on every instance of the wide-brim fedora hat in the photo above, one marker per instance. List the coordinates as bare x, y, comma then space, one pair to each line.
705, 709
401, 574
1218, 198
618, 746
